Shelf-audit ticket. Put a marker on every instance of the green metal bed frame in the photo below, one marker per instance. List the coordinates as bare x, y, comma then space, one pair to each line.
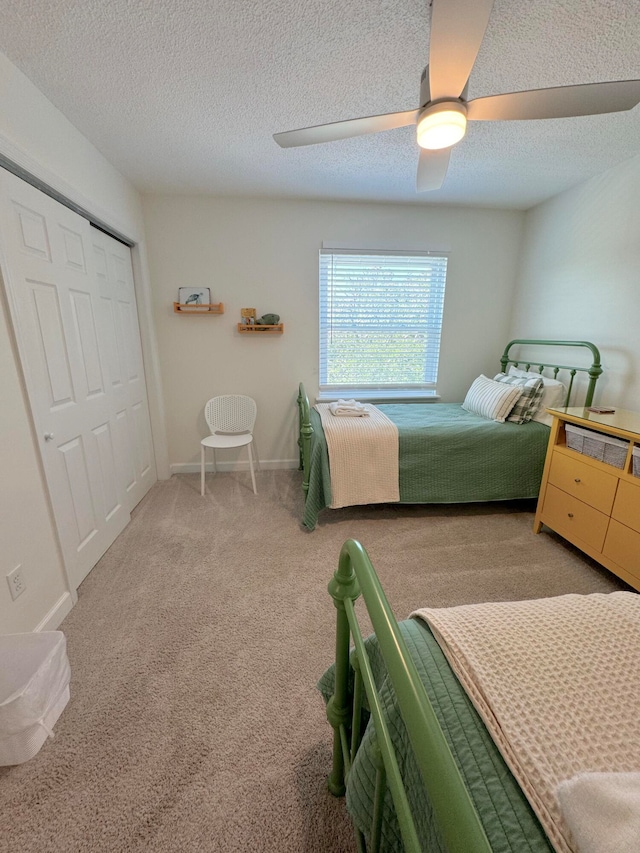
593, 372
453, 810
460, 827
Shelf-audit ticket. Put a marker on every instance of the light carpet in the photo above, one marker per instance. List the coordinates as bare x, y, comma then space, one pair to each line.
194, 723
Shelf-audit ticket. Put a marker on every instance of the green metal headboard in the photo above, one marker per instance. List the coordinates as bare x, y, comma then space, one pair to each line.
593, 372
455, 814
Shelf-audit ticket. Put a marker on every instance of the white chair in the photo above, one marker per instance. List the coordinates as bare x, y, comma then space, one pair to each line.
230, 418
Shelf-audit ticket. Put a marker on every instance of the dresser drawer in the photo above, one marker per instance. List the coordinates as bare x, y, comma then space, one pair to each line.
622, 545
583, 481
574, 519
626, 507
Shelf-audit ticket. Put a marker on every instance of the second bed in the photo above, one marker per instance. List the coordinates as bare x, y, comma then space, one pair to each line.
447, 454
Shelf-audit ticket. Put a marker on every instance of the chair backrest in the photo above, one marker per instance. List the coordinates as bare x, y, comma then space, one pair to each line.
231, 413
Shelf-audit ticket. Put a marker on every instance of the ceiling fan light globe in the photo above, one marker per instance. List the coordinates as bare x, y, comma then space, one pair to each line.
442, 125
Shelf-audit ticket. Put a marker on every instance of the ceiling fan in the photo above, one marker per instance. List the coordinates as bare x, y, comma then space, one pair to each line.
457, 30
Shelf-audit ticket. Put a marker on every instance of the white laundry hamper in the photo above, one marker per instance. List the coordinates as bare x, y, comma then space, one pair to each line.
34, 689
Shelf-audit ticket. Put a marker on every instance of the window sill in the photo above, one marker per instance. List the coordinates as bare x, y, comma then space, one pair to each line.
379, 396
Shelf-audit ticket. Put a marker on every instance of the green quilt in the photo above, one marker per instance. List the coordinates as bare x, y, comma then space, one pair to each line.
508, 821
447, 455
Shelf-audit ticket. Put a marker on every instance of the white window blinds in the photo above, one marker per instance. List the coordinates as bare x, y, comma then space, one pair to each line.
380, 320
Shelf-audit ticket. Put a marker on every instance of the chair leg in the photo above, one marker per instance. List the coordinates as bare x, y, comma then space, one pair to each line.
202, 470
253, 476
256, 455
215, 467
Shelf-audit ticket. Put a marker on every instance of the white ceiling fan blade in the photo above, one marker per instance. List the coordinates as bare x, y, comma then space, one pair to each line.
432, 169
457, 30
344, 129
560, 102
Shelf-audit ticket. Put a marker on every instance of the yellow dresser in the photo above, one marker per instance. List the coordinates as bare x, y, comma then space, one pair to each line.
592, 503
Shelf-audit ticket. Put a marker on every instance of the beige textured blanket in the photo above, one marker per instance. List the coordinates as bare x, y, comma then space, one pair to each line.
557, 684
363, 457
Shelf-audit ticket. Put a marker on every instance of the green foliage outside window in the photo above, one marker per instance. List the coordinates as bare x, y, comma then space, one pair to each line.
380, 318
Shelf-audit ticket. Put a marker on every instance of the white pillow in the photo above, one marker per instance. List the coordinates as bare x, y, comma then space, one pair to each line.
491, 399
554, 394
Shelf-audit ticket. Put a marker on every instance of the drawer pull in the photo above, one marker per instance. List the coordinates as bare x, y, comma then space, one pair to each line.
570, 514
577, 480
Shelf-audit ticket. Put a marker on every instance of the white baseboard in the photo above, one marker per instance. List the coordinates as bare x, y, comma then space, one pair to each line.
265, 465
54, 617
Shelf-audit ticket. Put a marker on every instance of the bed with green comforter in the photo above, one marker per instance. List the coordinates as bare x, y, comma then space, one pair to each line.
420, 771
506, 816
446, 455
449, 455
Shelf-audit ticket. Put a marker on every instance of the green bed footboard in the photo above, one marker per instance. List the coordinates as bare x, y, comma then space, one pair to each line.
305, 431
458, 821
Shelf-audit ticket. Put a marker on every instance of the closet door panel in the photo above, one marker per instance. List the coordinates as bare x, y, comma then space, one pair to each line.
57, 388
52, 286
126, 369
124, 445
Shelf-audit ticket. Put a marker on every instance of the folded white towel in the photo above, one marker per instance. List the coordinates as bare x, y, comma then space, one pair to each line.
348, 408
602, 811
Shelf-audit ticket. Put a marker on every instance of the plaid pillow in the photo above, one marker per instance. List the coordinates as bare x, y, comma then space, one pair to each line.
529, 401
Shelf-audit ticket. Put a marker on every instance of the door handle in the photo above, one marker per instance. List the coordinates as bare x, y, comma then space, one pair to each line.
48, 436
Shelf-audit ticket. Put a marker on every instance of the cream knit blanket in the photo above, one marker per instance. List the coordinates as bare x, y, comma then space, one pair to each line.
363, 457
557, 684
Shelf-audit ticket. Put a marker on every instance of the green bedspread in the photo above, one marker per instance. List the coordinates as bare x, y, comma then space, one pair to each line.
447, 455
508, 821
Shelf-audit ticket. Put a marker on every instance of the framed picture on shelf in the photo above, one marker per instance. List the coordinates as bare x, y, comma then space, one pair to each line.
194, 298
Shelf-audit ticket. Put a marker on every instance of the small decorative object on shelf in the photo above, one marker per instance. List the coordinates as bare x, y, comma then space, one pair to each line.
194, 296
268, 320
196, 300
267, 323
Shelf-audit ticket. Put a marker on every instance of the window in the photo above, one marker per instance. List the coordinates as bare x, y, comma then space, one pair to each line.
380, 322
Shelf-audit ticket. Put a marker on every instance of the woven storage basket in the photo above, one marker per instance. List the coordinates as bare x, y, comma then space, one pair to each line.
605, 448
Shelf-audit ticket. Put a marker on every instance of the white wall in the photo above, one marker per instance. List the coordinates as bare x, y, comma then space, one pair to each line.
35, 135
580, 276
264, 254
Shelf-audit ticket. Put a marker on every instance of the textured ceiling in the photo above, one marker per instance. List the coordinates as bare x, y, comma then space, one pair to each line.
183, 96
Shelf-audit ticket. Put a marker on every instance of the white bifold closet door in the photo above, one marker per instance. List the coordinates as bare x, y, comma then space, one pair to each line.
123, 355
70, 291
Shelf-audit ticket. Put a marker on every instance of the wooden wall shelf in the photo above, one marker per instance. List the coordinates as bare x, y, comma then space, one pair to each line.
276, 329
193, 311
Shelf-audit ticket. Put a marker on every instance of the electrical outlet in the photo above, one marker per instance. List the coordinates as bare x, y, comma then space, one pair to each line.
16, 582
